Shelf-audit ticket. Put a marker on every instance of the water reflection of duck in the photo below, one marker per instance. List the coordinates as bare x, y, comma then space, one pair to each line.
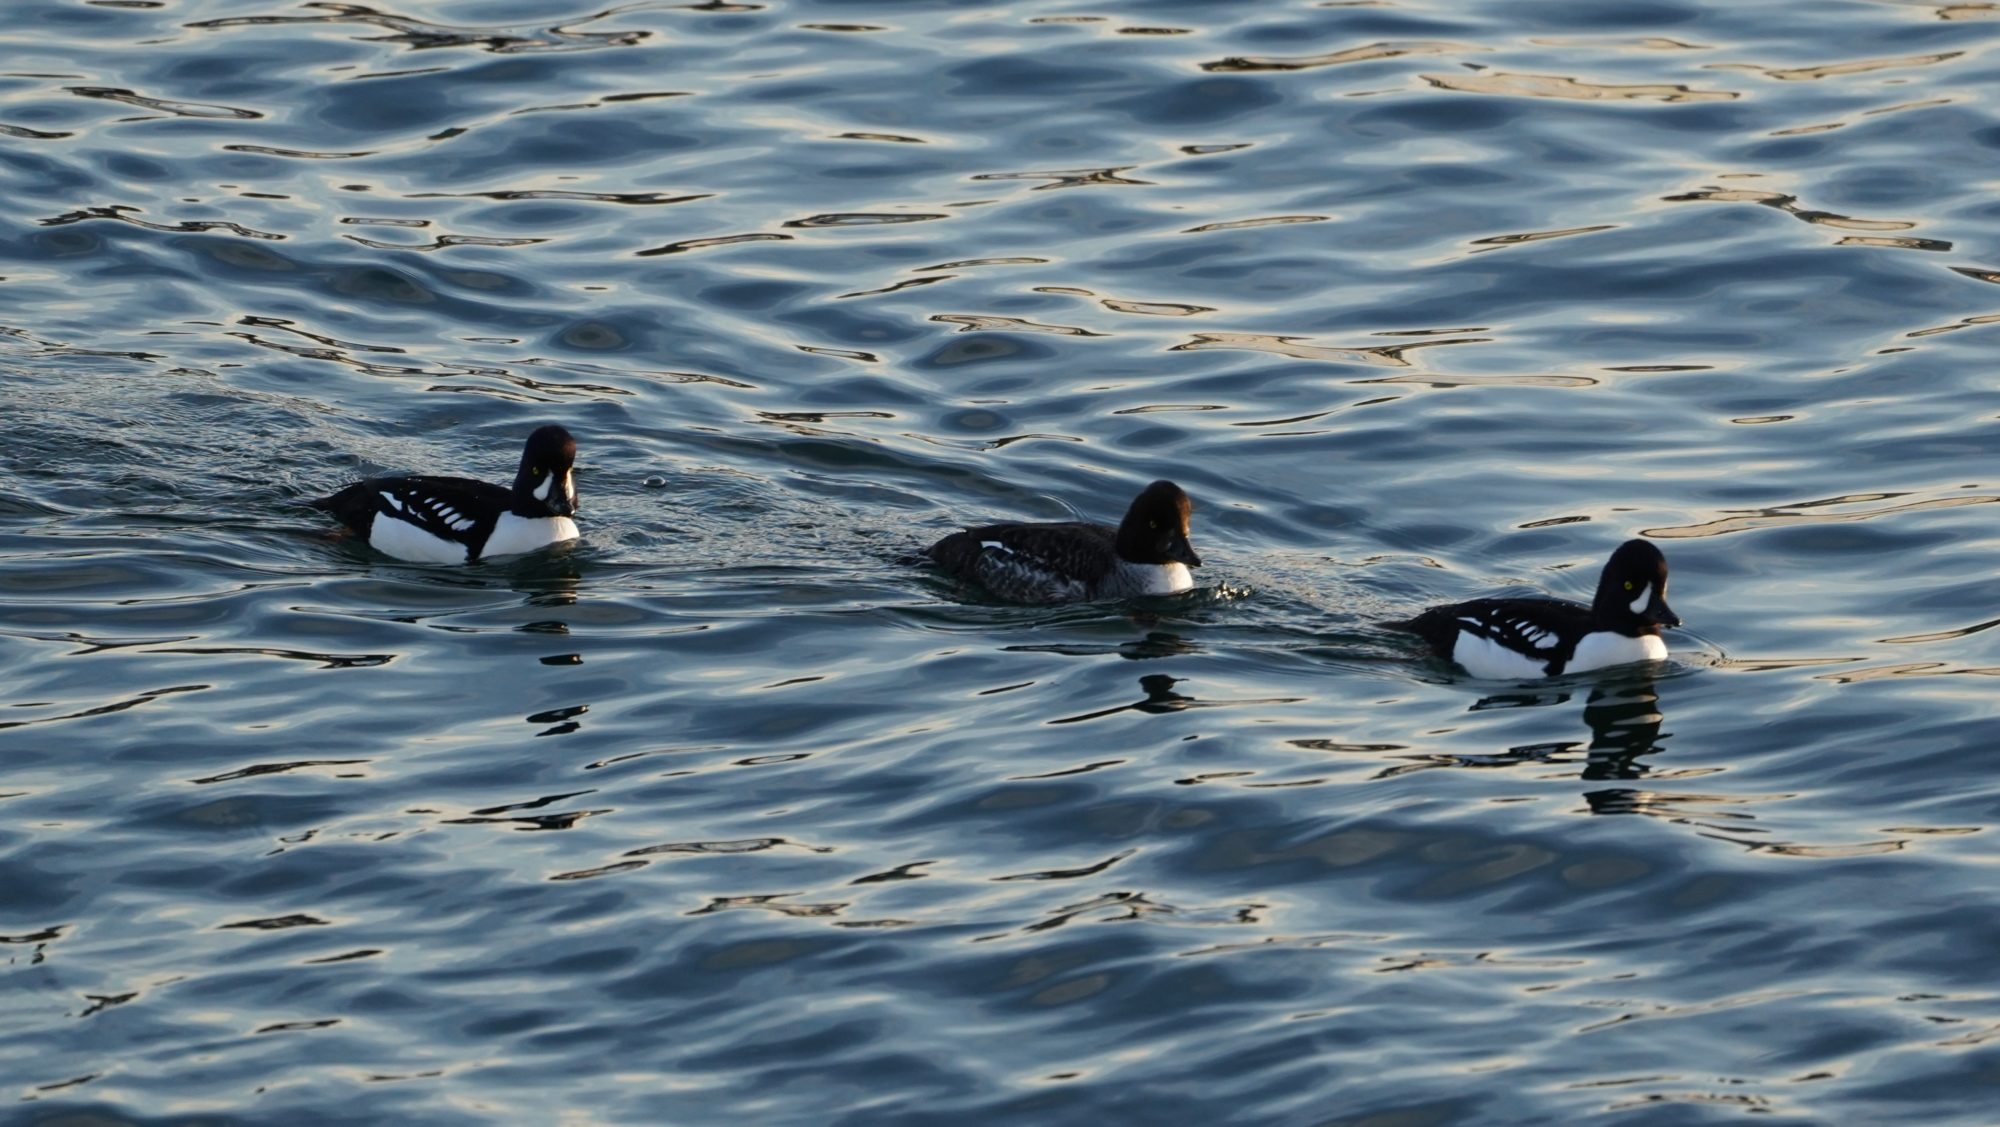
1147, 554
429, 519
1624, 719
1161, 698
1528, 638
1156, 644
1624, 724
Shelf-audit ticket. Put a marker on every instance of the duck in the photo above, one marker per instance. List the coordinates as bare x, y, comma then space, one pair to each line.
1526, 638
1148, 553
459, 520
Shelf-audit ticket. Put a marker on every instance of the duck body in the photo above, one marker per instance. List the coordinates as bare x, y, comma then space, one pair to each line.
1054, 563
1077, 561
1528, 638
455, 520
1522, 639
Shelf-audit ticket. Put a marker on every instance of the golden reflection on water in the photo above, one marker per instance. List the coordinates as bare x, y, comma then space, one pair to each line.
1365, 54
1576, 89
1787, 514
1839, 70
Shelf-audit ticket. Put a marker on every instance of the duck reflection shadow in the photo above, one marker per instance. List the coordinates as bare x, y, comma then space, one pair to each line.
1156, 643
1161, 697
1624, 719
550, 585
1624, 725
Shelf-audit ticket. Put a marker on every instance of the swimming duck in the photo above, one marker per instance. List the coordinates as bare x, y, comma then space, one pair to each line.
1527, 638
428, 519
1072, 561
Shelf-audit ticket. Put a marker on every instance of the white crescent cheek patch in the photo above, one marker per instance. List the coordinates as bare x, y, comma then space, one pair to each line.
1639, 604
542, 491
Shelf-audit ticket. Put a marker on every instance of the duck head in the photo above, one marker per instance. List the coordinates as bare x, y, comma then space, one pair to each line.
544, 486
1632, 592
1155, 528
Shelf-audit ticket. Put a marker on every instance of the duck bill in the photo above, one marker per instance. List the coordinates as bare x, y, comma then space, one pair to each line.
1660, 614
1180, 551
562, 498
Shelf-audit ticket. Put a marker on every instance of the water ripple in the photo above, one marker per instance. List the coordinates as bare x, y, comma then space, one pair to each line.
734, 796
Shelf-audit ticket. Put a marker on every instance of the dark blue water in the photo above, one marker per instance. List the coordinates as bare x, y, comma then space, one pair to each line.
727, 815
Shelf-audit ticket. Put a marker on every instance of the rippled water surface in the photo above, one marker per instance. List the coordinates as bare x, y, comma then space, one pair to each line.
730, 815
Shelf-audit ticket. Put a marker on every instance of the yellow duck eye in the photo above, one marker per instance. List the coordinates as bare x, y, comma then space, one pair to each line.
1628, 584
1153, 524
